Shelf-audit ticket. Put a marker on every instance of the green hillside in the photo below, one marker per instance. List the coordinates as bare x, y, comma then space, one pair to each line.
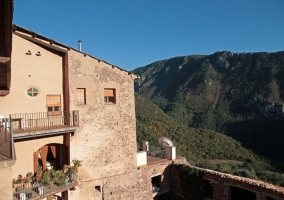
223, 111
202, 147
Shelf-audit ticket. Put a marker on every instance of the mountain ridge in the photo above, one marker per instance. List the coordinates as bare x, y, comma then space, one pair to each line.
237, 94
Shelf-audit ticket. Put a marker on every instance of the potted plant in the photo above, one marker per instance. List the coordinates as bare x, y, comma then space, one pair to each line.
46, 177
53, 175
26, 182
30, 176
60, 178
74, 169
39, 177
15, 183
20, 180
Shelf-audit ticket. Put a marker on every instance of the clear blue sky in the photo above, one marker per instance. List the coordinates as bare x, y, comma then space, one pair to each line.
134, 33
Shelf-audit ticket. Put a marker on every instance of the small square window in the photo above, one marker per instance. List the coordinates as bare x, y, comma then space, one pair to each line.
81, 96
109, 96
97, 189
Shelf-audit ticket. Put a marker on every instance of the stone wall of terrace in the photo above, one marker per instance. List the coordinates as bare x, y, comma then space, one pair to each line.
222, 184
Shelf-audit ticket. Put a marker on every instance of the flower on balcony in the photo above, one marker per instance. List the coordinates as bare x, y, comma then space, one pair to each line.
49, 177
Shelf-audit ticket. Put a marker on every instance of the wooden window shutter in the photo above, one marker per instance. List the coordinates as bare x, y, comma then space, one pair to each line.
109, 93
53, 100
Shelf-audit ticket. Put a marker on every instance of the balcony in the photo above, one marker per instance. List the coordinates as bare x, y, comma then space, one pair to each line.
46, 183
151, 155
40, 191
30, 125
26, 125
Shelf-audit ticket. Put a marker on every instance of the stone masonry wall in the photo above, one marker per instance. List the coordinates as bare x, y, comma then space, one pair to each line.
134, 185
223, 182
106, 138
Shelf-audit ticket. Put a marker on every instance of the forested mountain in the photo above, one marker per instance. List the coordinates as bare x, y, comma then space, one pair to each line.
213, 106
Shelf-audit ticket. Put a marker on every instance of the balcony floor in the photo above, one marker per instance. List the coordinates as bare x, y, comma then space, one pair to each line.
38, 128
36, 132
152, 160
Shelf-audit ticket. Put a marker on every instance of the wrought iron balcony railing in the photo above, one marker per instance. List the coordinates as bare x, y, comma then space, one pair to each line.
6, 142
27, 122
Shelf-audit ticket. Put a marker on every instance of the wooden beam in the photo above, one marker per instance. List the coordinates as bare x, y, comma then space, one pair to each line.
4, 59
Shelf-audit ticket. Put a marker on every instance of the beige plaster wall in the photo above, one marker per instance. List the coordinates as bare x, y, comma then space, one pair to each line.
24, 154
6, 183
42, 72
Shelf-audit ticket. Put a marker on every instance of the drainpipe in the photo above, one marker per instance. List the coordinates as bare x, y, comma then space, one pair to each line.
80, 45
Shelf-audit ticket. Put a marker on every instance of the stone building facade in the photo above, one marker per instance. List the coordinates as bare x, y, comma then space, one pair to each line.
96, 111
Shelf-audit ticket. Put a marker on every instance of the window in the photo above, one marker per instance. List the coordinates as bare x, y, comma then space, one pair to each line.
156, 183
240, 193
97, 189
208, 189
53, 105
109, 96
32, 92
81, 96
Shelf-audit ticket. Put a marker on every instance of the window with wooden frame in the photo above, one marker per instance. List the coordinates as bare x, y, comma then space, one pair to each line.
53, 105
81, 96
109, 96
